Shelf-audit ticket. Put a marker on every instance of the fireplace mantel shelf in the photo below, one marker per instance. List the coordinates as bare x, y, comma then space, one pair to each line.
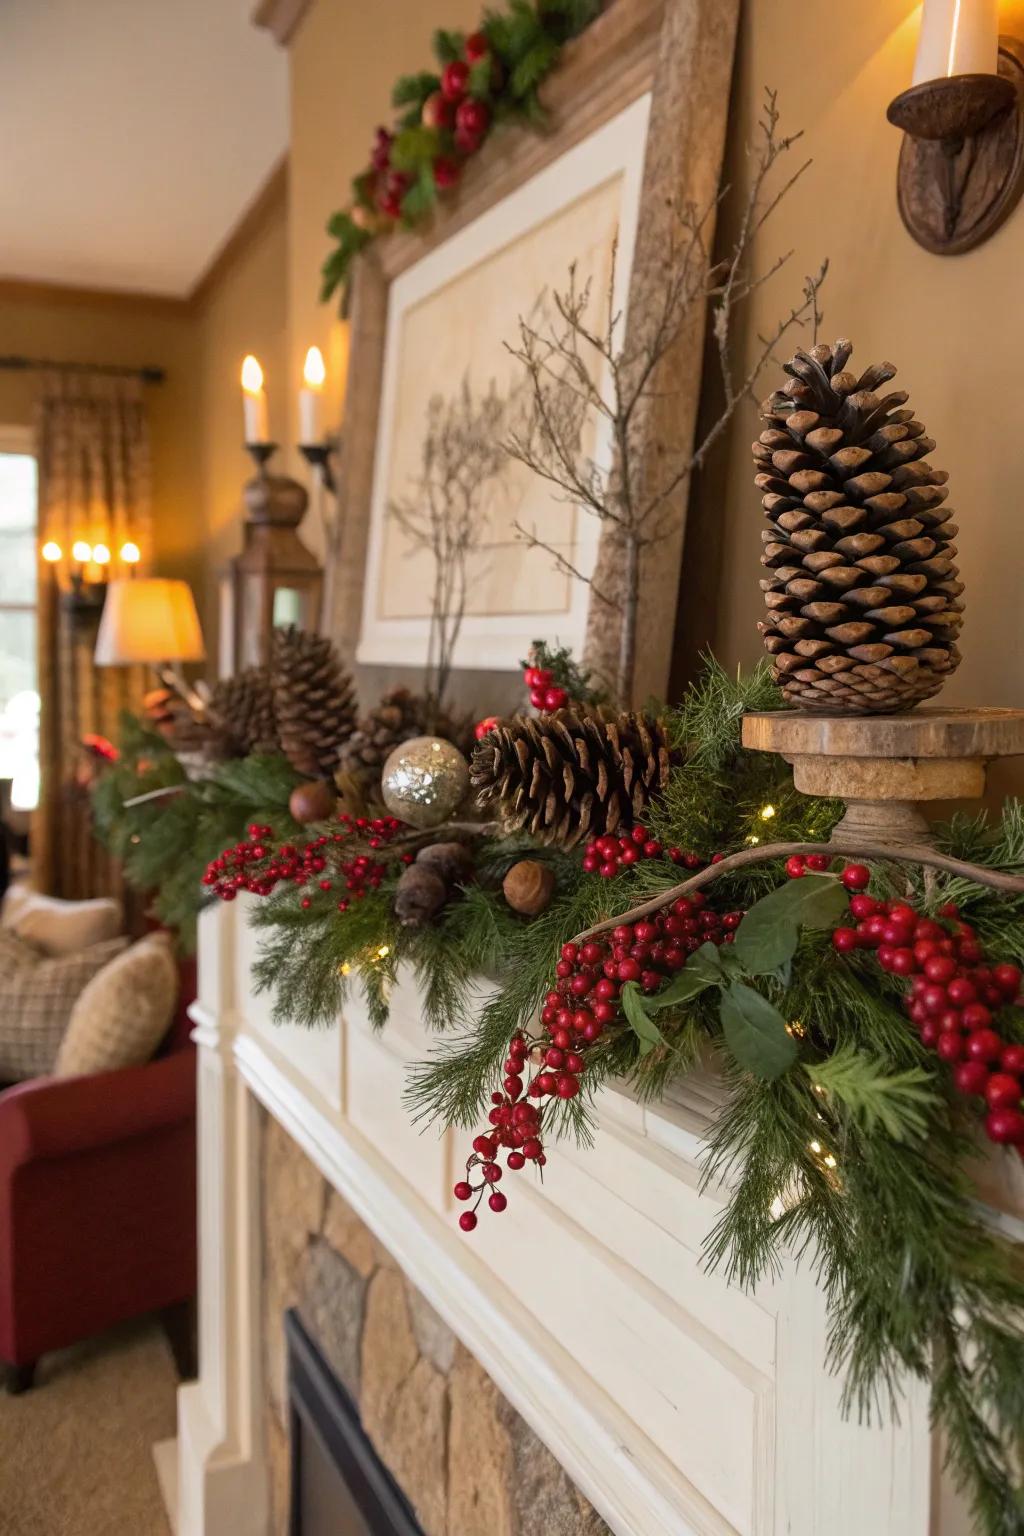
678, 1405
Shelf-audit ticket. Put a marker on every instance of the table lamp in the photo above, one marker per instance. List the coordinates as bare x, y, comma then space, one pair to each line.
151, 620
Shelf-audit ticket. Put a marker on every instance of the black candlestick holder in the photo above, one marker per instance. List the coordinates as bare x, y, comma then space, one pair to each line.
319, 455
261, 454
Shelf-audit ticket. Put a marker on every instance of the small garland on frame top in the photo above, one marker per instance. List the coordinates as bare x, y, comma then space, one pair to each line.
445, 114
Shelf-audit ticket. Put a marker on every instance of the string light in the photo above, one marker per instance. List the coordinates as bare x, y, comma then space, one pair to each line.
383, 951
51, 552
130, 553
81, 551
753, 840
345, 969
767, 812
100, 554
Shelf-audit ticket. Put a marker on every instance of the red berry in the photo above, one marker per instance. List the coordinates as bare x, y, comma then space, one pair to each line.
532, 1148
574, 1062
950, 1045
855, 877
471, 120
476, 46
940, 968
463, 1191
545, 1082
629, 970
454, 80
554, 1057
554, 698
960, 991
796, 866
984, 1045
934, 999
1005, 1126
1012, 1059
971, 1077
950, 1020
467, 1221
515, 1161
567, 1086
491, 1172
436, 111
930, 1033
1007, 978
845, 940
818, 862
863, 906
903, 962
537, 697
1002, 1091
977, 1016
497, 1201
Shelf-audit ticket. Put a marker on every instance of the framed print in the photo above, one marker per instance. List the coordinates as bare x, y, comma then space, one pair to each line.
451, 318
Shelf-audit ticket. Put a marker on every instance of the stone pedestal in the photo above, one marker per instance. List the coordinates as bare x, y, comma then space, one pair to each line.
884, 766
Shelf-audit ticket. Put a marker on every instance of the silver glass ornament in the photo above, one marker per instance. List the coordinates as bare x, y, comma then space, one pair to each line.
424, 781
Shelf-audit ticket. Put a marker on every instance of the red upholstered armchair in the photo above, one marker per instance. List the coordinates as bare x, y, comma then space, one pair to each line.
97, 1199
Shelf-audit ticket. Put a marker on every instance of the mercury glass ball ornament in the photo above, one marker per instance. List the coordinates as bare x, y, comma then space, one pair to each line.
424, 781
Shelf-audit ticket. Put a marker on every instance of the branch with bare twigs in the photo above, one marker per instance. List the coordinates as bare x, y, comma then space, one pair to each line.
443, 515
584, 370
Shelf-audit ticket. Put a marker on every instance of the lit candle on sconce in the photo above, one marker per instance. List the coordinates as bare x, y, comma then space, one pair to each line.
100, 555
958, 37
254, 402
81, 554
130, 555
52, 552
314, 375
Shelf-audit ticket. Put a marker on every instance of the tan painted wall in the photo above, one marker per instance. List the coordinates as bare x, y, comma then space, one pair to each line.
133, 334
245, 311
951, 325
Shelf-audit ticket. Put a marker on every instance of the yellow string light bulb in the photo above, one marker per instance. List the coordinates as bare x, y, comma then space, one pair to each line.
130, 553
51, 552
384, 951
344, 969
81, 551
767, 812
100, 554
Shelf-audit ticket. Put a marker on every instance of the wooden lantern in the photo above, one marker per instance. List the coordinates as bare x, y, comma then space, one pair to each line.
275, 580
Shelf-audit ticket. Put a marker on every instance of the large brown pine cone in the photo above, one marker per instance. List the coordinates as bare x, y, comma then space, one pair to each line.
189, 732
572, 774
314, 701
863, 593
243, 706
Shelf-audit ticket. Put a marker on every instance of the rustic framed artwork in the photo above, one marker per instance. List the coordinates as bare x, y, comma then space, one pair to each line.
636, 124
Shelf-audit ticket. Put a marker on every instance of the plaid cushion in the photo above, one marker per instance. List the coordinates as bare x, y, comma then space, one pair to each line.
36, 999
123, 1012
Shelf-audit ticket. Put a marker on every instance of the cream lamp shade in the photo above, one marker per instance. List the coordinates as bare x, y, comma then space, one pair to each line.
151, 620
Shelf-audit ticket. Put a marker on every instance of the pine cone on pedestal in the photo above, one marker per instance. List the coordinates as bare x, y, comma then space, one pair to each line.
863, 593
572, 774
243, 706
314, 701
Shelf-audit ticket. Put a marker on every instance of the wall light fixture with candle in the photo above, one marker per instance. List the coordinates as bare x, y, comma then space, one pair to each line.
961, 169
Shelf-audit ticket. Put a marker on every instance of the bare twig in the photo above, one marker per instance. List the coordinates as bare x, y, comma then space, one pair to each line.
765, 853
579, 367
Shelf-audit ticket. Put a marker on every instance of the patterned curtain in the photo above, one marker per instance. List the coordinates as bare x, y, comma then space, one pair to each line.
93, 446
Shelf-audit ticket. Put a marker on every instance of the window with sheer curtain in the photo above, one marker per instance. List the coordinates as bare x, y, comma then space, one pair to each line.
19, 697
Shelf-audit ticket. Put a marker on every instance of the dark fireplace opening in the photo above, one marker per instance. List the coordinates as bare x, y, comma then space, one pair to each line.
339, 1485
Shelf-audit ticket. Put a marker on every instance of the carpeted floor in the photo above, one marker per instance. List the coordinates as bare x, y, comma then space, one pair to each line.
76, 1452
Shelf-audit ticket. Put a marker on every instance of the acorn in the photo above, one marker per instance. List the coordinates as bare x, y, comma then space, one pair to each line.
529, 887
453, 862
419, 896
315, 801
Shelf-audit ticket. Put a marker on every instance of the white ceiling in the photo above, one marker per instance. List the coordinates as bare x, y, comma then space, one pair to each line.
133, 135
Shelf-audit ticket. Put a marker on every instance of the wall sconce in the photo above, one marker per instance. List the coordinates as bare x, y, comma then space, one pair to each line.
961, 170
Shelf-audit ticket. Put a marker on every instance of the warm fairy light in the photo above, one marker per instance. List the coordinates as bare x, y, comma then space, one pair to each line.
344, 969
81, 551
830, 1161
252, 375
51, 552
100, 554
794, 1027
384, 951
767, 812
753, 841
815, 1147
130, 553
314, 371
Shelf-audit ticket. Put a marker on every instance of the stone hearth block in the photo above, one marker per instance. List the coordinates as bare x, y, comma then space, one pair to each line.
543, 1497
480, 1464
389, 1353
433, 1336
415, 1445
332, 1301
348, 1236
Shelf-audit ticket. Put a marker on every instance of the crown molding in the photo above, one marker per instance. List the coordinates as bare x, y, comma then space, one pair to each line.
281, 18
272, 196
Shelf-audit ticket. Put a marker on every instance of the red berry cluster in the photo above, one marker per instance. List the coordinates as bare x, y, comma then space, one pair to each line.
584, 1002
607, 856
545, 693
953, 996
461, 120
253, 866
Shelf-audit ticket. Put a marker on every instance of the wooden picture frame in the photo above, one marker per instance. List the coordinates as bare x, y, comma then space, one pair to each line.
679, 51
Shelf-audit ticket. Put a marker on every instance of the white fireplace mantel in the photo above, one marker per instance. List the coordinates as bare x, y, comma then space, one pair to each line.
679, 1405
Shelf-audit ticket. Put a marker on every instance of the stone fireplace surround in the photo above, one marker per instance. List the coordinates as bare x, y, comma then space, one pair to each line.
568, 1369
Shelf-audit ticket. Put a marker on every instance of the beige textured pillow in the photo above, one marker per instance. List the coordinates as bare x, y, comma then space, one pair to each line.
124, 1012
64, 927
37, 996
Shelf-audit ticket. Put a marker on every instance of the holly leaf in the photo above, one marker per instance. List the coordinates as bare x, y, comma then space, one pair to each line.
413, 90
413, 146
421, 196
702, 970
769, 934
448, 45
756, 1033
531, 69
642, 1025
